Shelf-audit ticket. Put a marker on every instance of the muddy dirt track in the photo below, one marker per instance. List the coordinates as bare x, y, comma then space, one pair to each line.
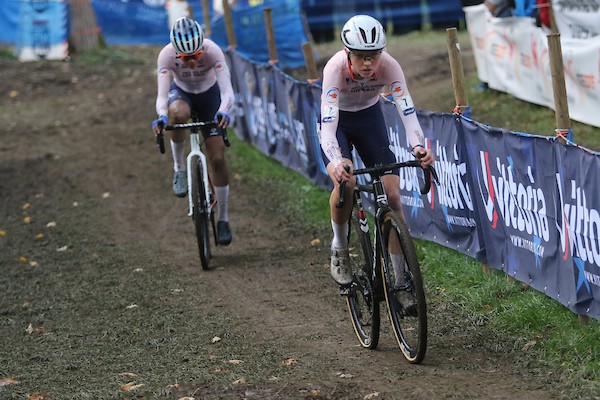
102, 286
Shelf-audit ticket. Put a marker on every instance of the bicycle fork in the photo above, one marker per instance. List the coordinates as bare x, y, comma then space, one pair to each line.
195, 151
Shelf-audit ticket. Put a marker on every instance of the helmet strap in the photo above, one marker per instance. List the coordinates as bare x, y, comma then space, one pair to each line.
350, 65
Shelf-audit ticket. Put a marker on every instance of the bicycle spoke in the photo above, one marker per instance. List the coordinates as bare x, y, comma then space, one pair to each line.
200, 214
363, 307
404, 289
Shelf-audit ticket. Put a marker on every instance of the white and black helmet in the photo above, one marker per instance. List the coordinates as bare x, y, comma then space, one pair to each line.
363, 33
187, 36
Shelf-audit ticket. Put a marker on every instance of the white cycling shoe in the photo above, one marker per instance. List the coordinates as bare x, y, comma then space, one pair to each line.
340, 266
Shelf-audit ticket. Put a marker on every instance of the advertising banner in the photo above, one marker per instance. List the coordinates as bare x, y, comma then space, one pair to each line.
577, 19
42, 30
512, 56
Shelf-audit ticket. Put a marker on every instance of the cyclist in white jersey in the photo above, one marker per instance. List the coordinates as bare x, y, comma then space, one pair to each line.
193, 77
351, 116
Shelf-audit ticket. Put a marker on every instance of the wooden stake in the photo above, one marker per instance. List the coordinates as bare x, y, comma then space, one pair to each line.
206, 15
273, 56
561, 106
229, 25
456, 68
309, 60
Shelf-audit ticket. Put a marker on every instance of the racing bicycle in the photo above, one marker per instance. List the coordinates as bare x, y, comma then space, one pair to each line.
201, 197
385, 268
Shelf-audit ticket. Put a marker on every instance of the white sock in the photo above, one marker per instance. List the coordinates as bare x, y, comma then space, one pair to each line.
178, 151
340, 235
222, 194
398, 265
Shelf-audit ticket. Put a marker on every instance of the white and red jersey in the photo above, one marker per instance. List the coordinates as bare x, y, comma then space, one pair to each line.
343, 91
210, 68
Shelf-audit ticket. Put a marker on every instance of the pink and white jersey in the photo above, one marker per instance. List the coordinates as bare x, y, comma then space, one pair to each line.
342, 91
210, 68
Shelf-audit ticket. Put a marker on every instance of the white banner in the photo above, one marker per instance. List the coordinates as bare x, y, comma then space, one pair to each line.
511, 55
576, 18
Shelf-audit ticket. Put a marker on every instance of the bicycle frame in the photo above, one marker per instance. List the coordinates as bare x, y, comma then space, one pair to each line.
381, 205
195, 150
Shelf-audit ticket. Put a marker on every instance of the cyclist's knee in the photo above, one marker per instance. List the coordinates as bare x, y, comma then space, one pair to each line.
218, 162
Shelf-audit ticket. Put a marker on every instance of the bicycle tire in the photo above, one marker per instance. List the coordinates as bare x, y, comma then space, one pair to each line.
361, 298
409, 324
200, 213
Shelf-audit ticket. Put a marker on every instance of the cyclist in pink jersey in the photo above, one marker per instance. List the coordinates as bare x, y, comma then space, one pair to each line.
351, 116
193, 78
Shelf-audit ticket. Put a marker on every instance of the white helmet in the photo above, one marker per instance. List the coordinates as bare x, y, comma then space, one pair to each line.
363, 33
187, 36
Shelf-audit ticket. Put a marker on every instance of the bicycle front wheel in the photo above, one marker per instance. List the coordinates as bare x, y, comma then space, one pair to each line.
363, 306
200, 212
403, 289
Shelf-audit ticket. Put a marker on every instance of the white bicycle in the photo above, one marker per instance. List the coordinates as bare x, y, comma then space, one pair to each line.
201, 198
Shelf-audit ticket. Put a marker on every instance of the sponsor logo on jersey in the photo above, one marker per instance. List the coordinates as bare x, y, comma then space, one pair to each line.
163, 71
332, 95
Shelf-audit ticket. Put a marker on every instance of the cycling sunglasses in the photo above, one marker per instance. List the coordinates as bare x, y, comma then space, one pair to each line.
367, 55
188, 57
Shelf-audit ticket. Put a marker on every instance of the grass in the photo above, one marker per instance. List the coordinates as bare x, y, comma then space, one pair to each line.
544, 331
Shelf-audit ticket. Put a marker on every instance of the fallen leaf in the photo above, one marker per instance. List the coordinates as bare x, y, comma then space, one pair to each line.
173, 386
213, 357
138, 270
8, 381
240, 381
51, 224
371, 395
131, 386
347, 376
23, 259
75, 204
128, 374
27, 220
29, 329
289, 362
235, 362
186, 398
315, 392
34, 264
39, 396
132, 306
40, 236
315, 242
25, 206
273, 378
221, 369
529, 345
105, 195
13, 93
216, 339
2, 233
63, 248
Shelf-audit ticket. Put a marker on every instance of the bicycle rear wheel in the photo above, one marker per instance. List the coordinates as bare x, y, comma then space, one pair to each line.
200, 212
404, 292
363, 306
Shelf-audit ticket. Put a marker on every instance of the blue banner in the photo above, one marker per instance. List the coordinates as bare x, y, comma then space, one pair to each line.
43, 30
9, 21
133, 22
251, 35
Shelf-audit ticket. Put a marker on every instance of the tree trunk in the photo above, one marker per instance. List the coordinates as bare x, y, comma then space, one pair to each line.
84, 33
